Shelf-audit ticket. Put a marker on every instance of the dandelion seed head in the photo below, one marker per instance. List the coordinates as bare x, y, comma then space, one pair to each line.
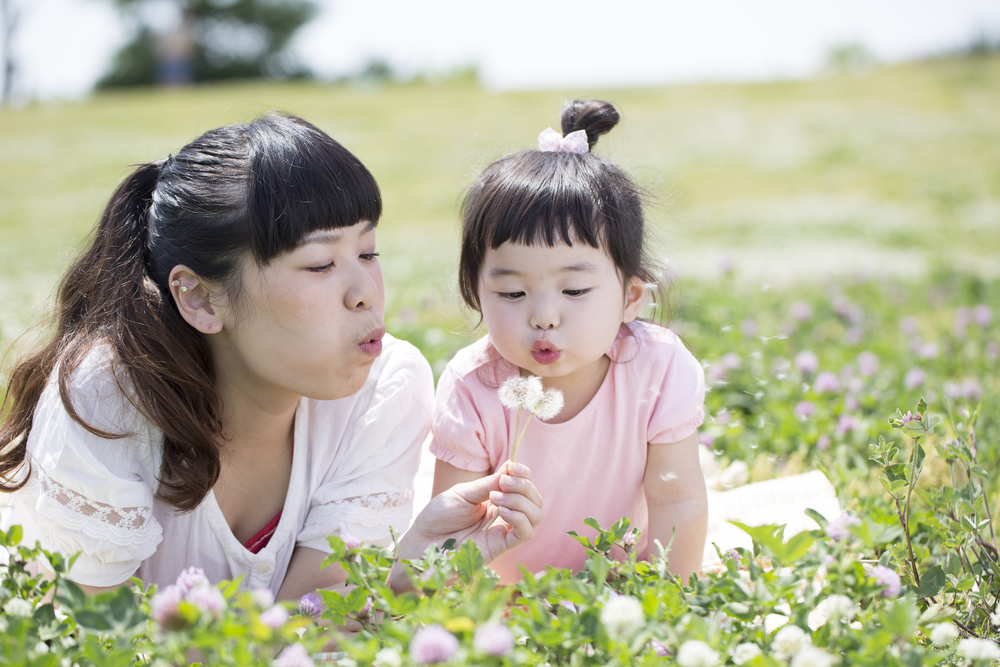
549, 404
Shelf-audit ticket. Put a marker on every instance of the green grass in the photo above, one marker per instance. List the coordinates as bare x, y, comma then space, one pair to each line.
890, 173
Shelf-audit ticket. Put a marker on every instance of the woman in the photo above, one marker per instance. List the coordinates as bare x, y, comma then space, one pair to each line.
220, 391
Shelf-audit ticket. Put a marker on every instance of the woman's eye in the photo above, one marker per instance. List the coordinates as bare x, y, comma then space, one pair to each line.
320, 269
369, 256
511, 295
575, 292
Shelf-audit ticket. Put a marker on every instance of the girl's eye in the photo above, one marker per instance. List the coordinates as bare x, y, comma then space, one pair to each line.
511, 295
575, 292
369, 256
320, 269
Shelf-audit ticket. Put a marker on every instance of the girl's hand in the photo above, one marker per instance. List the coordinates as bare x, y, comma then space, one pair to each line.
462, 511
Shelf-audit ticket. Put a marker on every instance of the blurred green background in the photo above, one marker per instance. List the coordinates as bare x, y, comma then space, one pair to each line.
890, 173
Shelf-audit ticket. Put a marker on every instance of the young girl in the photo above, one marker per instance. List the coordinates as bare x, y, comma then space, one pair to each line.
220, 391
552, 259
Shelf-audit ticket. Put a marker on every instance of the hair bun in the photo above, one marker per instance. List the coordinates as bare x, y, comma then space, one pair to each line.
595, 117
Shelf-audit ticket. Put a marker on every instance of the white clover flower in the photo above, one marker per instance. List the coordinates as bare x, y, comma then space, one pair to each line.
943, 634
774, 621
622, 613
520, 393
789, 640
18, 607
995, 616
262, 597
694, 653
973, 648
387, 657
810, 656
744, 653
834, 608
549, 405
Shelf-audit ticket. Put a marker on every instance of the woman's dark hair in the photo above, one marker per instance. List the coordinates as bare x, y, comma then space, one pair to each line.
532, 197
238, 194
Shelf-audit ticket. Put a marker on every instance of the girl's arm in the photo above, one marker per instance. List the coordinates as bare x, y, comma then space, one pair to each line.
446, 476
677, 499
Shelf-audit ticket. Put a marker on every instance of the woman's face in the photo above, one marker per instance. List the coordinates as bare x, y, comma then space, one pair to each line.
310, 323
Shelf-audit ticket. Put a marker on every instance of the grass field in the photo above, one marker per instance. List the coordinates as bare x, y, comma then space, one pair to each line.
889, 173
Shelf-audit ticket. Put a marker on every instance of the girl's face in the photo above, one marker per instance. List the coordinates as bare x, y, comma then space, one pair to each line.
310, 323
554, 312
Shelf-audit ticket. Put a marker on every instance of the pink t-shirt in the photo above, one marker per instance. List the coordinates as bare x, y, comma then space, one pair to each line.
589, 466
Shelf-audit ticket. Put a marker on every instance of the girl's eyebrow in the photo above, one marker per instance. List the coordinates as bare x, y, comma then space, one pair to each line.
581, 267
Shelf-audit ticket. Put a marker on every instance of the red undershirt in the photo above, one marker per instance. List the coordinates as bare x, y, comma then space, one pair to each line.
260, 540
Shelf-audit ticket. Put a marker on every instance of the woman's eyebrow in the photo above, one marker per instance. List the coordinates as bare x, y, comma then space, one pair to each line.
330, 235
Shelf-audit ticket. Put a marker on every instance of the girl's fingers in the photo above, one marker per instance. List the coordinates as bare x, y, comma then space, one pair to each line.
520, 486
518, 503
521, 527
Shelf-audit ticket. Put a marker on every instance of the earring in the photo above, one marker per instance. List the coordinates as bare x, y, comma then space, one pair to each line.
184, 289
175, 283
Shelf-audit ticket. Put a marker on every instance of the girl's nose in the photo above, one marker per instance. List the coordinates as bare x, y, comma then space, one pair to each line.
544, 317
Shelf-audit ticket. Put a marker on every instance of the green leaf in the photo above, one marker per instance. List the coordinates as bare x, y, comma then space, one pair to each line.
900, 617
336, 606
592, 522
14, 536
818, 518
770, 539
356, 600
932, 581
467, 561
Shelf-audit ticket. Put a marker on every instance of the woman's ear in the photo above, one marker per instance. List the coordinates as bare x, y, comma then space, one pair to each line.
194, 300
635, 297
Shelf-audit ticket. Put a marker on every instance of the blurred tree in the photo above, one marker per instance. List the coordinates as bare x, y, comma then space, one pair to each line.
212, 40
10, 16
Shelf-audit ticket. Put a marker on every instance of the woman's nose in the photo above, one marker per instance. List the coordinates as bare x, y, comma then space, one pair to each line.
364, 289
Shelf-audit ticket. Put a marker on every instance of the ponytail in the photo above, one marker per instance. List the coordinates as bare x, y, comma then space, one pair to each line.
159, 362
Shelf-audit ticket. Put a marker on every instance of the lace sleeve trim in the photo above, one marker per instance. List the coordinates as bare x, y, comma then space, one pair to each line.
132, 527
376, 510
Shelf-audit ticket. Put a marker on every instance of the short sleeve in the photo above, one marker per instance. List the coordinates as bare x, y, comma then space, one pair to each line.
370, 486
90, 494
679, 406
457, 429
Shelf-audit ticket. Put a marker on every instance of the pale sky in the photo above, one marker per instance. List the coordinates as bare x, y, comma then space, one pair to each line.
65, 45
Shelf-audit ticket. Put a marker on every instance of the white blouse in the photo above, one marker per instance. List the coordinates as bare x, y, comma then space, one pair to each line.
352, 472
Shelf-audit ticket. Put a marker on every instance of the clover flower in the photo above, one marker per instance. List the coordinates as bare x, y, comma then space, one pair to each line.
832, 609
262, 597
493, 639
789, 640
275, 617
914, 378
18, 607
995, 616
387, 657
350, 541
191, 578
622, 613
810, 656
943, 634
659, 648
826, 382
801, 311
309, 605
839, 527
973, 648
294, 656
983, 315
806, 362
745, 653
433, 644
164, 605
867, 363
846, 424
207, 599
885, 576
695, 653
804, 409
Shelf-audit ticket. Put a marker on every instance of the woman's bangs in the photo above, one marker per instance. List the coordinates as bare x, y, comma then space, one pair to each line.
304, 181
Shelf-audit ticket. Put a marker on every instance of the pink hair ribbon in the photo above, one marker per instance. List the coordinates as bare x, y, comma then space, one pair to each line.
574, 142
